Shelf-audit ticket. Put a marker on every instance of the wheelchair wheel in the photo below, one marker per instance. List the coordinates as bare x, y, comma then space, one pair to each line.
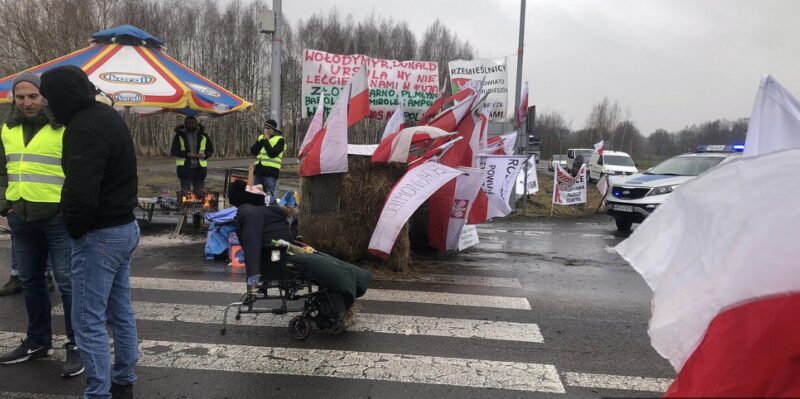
300, 327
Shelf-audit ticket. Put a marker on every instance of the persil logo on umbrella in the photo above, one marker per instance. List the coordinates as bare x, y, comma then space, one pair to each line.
203, 89
128, 78
128, 97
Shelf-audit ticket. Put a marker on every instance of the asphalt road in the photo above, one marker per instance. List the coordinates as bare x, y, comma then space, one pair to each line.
539, 309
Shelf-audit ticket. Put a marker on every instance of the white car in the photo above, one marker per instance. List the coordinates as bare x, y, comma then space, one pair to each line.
632, 198
557, 160
573, 152
610, 163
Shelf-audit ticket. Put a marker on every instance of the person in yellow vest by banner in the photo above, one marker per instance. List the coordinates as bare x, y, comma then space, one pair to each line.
31, 181
191, 148
268, 149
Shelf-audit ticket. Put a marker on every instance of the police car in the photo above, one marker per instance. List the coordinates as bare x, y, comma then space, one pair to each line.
632, 198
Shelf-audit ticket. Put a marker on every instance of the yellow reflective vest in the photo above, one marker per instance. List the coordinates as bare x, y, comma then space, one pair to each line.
181, 161
264, 159
34, 171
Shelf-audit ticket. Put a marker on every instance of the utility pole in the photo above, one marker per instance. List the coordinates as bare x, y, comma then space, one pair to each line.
277, 42
523, 131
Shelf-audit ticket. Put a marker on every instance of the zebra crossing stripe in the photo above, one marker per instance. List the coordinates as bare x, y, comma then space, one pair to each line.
364, 322
433, 278
435, 298
415, 369
606, 381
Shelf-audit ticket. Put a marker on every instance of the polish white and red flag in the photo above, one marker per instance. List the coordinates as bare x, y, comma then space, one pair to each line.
313, 128
501, 145
721, 256
395, 124
522, 111
396, 147
436, 106
467, 186
403, 200
359, 97
600, 146
441, 203
327, 151
501, 174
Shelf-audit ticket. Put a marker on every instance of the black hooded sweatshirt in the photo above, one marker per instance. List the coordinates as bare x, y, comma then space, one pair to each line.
100, 186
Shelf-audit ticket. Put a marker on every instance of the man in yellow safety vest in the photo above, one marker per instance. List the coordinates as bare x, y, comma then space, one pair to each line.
268, 149
31, 181
191, 148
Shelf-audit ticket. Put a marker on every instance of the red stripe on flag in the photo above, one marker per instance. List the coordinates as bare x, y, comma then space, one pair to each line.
358, 108
752, 350
310, 165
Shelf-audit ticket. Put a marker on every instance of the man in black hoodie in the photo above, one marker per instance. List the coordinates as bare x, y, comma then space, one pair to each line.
191, 148
98, 198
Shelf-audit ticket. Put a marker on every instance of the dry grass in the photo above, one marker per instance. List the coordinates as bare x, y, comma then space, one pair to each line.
539, 205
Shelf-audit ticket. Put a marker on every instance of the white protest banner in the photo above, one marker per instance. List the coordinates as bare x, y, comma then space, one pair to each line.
501, 172
406, 196
469, 237
495, 82
568, 190
414, 85
533, 180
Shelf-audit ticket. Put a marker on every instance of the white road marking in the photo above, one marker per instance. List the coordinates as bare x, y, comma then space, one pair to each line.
435, 278
606, 381
415, 369
364, 322
435, 298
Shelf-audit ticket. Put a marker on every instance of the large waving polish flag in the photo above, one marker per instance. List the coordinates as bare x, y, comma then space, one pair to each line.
721, 256
327, 152
359, 97
313, 128
441, 203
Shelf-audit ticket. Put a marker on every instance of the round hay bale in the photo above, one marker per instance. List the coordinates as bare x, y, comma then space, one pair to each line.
339, 211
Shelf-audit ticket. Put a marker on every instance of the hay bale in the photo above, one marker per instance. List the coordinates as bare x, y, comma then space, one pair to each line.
339, 212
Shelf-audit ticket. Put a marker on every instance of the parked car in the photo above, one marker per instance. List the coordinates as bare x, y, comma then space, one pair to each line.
574, 152
632, 198
557, 160
610, 163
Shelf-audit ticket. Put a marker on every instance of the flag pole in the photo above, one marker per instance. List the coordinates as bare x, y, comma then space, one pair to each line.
517, 95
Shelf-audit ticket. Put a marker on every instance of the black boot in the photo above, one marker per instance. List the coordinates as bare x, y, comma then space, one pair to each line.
121, 391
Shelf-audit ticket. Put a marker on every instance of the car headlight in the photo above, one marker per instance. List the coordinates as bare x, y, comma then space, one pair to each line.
661, 190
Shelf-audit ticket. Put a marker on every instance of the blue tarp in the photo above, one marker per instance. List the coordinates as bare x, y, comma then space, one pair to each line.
222, 225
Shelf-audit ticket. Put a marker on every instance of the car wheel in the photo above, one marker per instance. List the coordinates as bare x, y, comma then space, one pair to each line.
623, 224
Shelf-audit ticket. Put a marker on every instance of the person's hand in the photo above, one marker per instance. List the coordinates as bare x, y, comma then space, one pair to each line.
267, 133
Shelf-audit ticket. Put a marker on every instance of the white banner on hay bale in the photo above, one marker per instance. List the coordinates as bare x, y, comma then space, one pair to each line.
416, 186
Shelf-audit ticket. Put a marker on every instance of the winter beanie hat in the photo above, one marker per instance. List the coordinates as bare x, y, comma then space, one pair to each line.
26, 76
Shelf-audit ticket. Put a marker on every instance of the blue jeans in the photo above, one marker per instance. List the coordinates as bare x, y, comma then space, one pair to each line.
15, 264
101, 267
33, 241
270, 185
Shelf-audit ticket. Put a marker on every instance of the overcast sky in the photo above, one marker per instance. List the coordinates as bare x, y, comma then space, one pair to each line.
669, 63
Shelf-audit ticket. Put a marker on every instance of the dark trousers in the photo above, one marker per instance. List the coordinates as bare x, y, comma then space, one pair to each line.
33, 241
194, 178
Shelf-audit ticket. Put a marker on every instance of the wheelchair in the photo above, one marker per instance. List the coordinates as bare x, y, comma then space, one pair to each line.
283, 282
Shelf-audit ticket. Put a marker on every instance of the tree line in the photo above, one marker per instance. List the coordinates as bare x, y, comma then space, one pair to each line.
607, 122
221, 42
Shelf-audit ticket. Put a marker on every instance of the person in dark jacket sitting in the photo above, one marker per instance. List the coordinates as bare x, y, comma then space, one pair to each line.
260, 224
98, 198
191, 148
